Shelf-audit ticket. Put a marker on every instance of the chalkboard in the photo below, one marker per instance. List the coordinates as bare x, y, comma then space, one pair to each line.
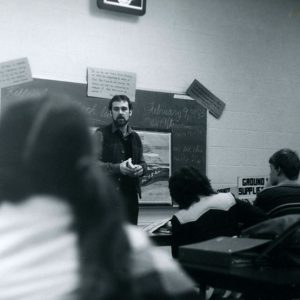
156, 111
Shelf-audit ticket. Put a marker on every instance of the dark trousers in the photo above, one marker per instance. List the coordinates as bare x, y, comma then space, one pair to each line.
131, 205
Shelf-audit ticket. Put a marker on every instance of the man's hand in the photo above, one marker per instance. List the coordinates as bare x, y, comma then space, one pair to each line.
137, 171
124, 168
129, 169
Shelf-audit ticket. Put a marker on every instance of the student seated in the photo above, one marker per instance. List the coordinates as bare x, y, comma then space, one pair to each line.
60, 237
204, 214
283, 178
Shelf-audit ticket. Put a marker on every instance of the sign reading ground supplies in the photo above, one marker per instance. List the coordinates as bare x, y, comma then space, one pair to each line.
249, 187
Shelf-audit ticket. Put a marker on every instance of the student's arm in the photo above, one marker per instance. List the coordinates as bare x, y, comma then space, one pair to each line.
259, 201
249, 214
176, 234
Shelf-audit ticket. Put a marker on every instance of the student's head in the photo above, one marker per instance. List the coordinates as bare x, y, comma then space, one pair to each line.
284, 164
46, 149
44, 143
187, 185
120, 108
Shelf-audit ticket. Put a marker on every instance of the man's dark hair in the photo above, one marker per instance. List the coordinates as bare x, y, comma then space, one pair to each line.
288, 161
118, 98
187, 184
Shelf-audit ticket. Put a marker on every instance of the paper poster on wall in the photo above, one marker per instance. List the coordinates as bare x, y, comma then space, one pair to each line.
249, 187
206, 98
157, 154
14, 72
103, 83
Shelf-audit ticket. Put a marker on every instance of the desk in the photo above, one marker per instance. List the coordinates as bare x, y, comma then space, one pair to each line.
151, 217
161, 239
154, 214
269, 282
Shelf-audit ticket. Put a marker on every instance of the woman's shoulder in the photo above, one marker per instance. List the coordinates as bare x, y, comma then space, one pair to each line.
219, 201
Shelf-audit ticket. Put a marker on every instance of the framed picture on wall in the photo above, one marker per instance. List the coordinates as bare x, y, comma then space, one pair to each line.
157, 154
134, 7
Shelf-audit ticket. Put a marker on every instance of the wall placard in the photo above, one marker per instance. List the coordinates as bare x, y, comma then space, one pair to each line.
107, 83
250, 186
14, 72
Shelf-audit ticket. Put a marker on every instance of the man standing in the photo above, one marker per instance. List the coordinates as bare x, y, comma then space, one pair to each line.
120, 153
284, 173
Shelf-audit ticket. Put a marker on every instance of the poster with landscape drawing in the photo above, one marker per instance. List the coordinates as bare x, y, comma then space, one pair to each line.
157, 153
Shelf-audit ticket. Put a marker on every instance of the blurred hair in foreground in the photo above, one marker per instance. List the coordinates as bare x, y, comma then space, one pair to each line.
46, 149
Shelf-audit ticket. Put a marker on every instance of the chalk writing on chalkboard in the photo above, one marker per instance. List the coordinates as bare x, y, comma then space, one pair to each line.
188, 146
104, 83
166, 115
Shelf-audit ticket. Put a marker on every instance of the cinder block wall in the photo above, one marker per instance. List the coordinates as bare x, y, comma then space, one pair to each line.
246, 52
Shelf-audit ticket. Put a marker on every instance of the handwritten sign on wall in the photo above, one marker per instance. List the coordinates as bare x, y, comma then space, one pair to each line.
103, 83
14, 72
206, 98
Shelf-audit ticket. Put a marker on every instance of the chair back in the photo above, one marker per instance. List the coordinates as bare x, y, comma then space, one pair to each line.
285, 209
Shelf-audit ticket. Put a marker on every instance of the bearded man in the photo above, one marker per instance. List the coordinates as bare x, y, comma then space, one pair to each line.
120, 153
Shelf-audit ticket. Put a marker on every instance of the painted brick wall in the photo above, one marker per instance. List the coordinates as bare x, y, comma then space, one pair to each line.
246, 52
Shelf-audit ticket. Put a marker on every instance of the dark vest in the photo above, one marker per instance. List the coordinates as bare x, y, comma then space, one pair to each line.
113, 151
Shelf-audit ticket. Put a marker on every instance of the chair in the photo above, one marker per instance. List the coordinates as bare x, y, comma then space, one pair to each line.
285, 209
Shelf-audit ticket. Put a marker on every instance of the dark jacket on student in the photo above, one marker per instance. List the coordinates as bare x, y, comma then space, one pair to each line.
216, 215
274, 196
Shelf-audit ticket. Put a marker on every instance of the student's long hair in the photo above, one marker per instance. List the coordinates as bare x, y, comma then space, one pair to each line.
45, 148
187, 185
